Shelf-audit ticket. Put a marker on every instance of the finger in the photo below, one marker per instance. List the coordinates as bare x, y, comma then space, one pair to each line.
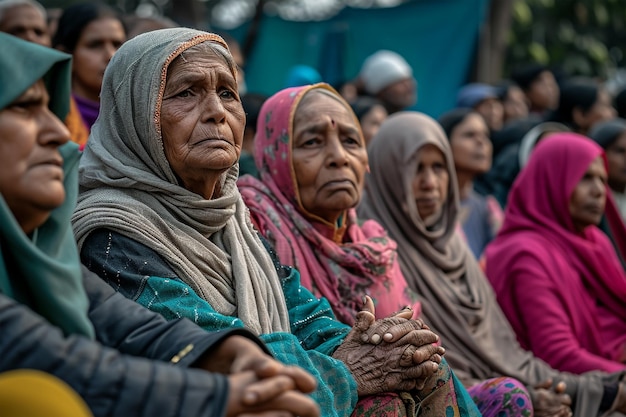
547, 384
263, 365
425, 353
375, 333
266, 389
564, 412
565, 399
440, 352
422, 371
560, 387
366, 316
406, 359
405, 313
368, 305
399, 330
418, 338
435, 358
292, 402
304, 381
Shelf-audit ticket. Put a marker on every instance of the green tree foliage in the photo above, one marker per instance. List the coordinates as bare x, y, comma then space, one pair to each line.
582, 37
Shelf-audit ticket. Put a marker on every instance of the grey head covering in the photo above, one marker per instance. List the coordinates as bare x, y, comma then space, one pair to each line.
533, 136
128, 186
458, 302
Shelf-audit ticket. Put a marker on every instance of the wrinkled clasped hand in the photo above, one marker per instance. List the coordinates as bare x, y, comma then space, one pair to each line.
391, 354
550, 400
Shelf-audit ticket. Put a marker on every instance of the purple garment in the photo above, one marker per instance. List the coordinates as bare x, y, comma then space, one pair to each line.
88, 110
502, 397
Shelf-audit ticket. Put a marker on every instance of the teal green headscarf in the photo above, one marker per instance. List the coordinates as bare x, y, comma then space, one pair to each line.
43, 271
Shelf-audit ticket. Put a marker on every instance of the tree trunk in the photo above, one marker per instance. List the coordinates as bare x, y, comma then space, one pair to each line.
492, 43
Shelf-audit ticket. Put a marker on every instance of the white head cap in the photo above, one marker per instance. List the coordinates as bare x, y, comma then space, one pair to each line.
383, 68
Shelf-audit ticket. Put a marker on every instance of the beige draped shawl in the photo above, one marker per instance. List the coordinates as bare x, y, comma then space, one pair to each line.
127, 186
457, 300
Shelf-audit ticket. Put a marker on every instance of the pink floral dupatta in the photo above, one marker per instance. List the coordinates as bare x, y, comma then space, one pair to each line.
365, 262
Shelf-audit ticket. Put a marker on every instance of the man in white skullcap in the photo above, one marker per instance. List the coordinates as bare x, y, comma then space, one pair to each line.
388, 77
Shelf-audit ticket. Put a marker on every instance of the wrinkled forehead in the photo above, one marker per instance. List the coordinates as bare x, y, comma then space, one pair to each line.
206, 45
312, 99
205, 50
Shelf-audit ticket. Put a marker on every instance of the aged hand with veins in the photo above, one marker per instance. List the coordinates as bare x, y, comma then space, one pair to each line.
403, 363
400, 328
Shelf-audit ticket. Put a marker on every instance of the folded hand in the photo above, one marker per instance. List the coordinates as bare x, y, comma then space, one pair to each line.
551, 401
260, 385
401, 364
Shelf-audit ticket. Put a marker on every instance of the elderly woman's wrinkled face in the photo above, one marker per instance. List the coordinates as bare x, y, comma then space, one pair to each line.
329, 156
430, 183
31, 167
588, 199
202, 119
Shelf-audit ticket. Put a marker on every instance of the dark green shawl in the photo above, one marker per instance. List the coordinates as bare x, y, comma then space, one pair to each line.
42, 270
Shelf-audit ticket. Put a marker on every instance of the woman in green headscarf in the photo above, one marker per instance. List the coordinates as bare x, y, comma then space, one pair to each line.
51, 310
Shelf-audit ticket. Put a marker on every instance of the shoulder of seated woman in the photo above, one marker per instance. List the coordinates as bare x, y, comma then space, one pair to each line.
122, 262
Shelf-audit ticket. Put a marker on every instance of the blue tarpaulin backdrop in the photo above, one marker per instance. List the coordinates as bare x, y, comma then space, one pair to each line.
438, 38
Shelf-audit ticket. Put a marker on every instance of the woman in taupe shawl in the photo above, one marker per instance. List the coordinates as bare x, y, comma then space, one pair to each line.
457, 300
160, 218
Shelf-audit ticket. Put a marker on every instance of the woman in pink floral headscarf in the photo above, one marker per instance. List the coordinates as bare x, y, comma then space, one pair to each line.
312, 161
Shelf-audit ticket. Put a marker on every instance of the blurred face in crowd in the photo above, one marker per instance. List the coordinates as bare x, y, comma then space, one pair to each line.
492, 111
26, 22
399, 95
202, 119
430, 184
31, 167
601, 110
515, 105
616, 158
371, 121
98, 41
589, 197
470, 144
543, 93
329, 156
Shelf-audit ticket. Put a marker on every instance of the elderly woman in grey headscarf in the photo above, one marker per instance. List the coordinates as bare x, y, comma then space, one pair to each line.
161, 220
412, 191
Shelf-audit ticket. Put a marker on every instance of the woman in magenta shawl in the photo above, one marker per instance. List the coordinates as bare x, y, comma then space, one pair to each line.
557, 276
339, 257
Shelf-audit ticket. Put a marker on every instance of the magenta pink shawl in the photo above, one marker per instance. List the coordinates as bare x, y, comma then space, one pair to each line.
365, 262
563, 292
